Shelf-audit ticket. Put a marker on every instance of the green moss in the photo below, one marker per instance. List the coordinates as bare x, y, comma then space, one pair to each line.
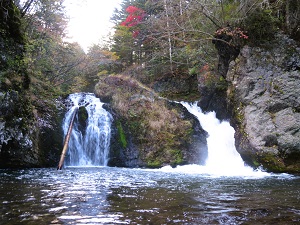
154, 163
178, 157
239, 113
277, 88
256, 163
272, 162
221, 84
193, 71
122, 137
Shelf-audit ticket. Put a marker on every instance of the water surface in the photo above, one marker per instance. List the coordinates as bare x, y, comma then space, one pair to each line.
103, 195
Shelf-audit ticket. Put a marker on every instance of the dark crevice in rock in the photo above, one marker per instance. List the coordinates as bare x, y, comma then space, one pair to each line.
270, 140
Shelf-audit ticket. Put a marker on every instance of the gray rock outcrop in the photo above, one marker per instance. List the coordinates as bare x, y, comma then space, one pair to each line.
265, 94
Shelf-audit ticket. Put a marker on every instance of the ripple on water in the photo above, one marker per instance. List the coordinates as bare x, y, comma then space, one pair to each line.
137, 196
99, 219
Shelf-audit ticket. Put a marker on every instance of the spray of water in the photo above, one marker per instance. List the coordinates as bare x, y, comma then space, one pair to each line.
88, 146
223, 158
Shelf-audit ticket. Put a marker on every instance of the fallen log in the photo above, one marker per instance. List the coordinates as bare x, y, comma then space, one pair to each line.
67, 138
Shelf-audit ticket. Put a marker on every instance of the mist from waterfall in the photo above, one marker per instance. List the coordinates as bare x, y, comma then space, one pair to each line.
89, 144
223, 158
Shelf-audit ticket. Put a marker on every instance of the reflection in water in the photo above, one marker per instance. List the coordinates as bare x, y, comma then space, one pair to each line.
102, 195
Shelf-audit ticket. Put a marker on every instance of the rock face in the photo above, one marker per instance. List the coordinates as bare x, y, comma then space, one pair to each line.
264, 92
15, 141
28, 139
49, 134
30, 132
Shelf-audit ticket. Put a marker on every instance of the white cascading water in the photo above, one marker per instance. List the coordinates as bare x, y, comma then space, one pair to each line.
222, 159
89, 147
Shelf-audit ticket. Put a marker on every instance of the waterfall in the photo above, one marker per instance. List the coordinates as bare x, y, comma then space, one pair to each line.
90, 137
223, 158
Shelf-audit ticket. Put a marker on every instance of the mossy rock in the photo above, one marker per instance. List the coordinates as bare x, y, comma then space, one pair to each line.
147, 126
272, 162
121, 135
154, 164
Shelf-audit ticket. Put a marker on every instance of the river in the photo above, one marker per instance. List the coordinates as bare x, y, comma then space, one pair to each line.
105, 195
86, 191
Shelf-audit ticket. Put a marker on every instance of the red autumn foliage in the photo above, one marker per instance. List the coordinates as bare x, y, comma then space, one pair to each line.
233, 32
136, 16
132, 9
135, 33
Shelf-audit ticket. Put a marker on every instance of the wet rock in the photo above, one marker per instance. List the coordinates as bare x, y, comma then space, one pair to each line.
82, 117
29, 128
214, 99
15, 136
29, 136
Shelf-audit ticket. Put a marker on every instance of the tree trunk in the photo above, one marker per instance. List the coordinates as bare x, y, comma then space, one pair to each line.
169, 37
65, 148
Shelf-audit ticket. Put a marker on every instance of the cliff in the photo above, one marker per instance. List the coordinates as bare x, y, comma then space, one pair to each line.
29, 126
264, 94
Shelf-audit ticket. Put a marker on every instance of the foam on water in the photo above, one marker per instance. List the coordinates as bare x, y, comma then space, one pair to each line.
223, 158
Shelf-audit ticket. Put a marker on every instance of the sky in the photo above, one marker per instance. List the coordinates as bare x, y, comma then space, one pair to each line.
89, 20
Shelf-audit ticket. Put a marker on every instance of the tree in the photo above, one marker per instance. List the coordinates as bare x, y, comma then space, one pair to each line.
99, 61
12, 41
50, 60
123, 45
128, 38
292, 18
175, 37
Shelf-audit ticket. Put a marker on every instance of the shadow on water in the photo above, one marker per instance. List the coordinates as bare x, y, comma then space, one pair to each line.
103, 195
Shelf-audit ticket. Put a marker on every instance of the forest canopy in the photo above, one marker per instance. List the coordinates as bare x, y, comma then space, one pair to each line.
175, 37
158, 38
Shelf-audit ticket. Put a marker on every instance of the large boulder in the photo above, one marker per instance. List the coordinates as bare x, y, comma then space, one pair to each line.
264, 92
149, 131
